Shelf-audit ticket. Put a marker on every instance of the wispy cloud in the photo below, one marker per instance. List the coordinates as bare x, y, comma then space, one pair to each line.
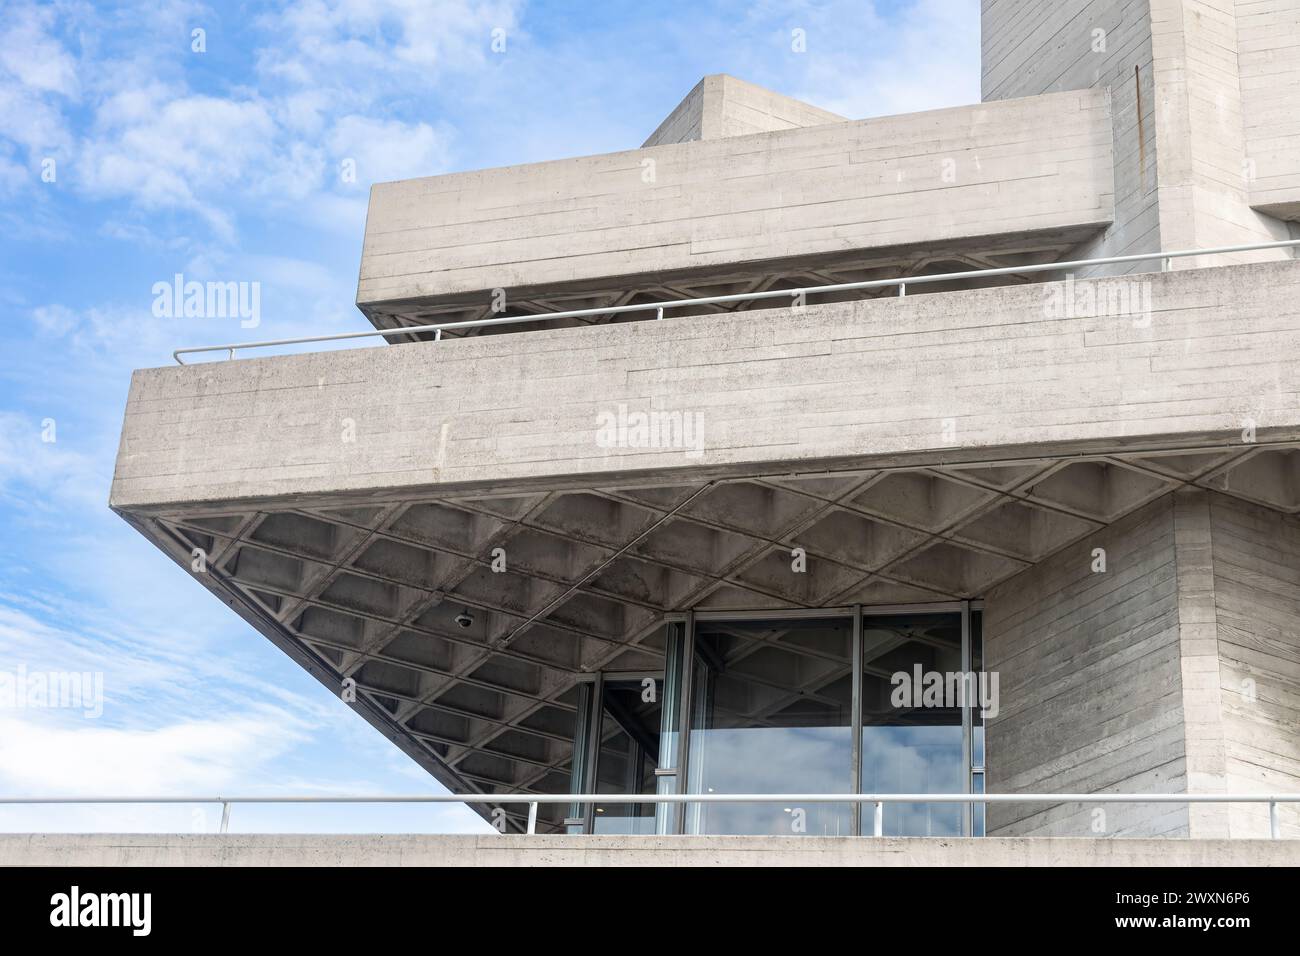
137, 117
194, 757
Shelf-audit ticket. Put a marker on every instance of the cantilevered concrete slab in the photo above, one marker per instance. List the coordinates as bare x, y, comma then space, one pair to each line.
1017, 180
953, 376
369, 589
349, 504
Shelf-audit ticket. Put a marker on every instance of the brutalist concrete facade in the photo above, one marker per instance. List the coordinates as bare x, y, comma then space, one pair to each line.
1106, 464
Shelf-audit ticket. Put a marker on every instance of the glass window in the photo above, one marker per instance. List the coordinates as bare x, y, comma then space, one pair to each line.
977, 725
911, 719
668, 814
977, 666
770, 710
580, 758
627, 753
772, 713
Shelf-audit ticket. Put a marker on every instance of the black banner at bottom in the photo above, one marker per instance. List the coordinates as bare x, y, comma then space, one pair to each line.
342, 905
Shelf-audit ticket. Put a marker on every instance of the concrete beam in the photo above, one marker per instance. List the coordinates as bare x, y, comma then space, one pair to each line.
1041, 165
276, 849
960, 376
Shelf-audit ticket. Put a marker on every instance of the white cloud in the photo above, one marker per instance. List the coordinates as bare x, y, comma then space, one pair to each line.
33, 56
864, 57
154, 140
930, 58
12, 174
182, 718
37, 80
57, 320
186, 757
361, 45
32, 123
186, 151
44, 474
385, 150
170, 719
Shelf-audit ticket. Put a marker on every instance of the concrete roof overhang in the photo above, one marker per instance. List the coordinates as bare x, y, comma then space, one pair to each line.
368, 588
919, 449
991, 184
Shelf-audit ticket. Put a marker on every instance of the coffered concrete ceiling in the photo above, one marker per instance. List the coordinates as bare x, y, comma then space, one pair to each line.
993, 252
371, 589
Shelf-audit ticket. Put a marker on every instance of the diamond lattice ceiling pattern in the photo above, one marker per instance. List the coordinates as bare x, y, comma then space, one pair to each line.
373, 591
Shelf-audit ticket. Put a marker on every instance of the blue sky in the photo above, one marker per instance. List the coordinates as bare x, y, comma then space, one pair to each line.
225, 165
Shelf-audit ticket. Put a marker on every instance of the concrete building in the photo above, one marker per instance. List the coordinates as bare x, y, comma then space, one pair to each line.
715, 553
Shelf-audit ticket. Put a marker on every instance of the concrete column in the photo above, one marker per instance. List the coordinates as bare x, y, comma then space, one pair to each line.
1257, 616
1198, 646
1201, 162
1088, 651
1031, 48
1183, 169
1174, 669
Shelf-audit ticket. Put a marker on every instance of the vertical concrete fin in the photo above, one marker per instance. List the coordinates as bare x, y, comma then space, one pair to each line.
1198, 640
1201, 152
1195, 126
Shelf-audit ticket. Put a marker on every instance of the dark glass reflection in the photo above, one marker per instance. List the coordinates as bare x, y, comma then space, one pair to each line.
910, 745
977, 665
772, 714
627, 754
978, 810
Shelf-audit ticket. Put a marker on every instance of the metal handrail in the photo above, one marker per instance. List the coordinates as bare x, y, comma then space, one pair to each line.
534, 799
658, 307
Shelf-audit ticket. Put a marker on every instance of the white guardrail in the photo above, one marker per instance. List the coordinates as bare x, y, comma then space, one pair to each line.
901, 282
878, 800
